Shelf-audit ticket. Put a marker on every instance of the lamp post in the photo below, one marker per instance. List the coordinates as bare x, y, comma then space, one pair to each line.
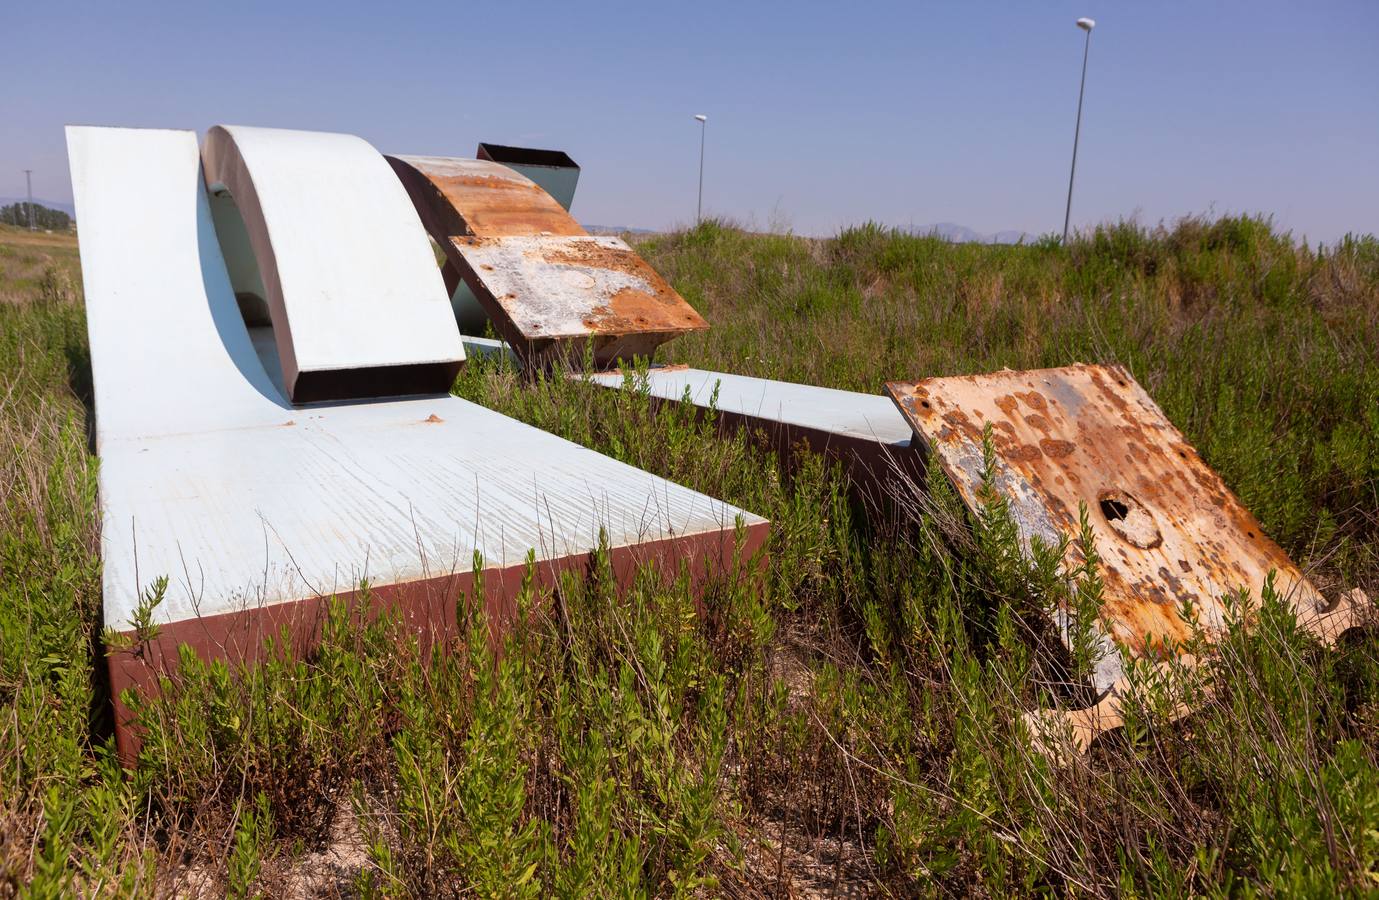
1086, 25
703, 126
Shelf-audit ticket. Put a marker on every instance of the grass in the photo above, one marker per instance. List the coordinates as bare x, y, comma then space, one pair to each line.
853, 723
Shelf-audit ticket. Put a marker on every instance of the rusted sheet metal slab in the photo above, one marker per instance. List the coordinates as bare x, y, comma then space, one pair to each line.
1166, 527
553, 170
479, 197
564, 288
547, 285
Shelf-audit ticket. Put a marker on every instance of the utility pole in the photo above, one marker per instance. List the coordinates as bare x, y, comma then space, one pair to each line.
29, 182
1086, 25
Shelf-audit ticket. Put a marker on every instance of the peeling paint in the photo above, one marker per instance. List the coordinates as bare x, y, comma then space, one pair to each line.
546, 284
572, 287
1166, 528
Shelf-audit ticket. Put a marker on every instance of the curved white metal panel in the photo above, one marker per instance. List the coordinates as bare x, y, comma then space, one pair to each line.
169, 352
357, 301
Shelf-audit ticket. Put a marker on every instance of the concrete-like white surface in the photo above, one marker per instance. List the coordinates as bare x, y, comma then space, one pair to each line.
870, 417
210, 477
346, 252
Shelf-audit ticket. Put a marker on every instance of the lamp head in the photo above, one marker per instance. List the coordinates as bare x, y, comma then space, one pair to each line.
1086, 24
701, 118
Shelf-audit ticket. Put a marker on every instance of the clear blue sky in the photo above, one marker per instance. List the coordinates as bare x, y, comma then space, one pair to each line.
820, 115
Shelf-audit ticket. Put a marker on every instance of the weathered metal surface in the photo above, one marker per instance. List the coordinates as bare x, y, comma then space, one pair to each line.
572, 287
478, 197
1061, 733
548, 286
211, 477
165, 360
553, 170
358, 306
1167, 529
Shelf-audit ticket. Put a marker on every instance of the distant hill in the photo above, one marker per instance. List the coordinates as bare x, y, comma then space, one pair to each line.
949, 231
617, 229
961, 234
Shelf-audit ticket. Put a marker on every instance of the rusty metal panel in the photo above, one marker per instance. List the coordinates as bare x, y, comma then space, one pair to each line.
479, 197
561, 287
547, 285
1166, 527
553, 170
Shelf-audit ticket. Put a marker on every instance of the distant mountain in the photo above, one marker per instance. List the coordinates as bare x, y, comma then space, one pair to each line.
39, 201
949, 231
617, 229
961, 234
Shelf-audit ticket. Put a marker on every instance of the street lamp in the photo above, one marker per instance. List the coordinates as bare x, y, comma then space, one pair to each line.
1086, 25
703, 126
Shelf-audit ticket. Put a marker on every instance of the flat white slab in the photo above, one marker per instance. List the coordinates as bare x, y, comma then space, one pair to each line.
871, 417
396, 491
350, 279
209, 476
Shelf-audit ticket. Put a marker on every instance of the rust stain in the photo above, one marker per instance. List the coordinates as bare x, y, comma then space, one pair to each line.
1056, 449
488, 199
1166, 527
520, 252
569, 287
433, 418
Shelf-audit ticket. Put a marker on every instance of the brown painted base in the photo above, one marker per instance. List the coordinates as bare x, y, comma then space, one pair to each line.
427, 606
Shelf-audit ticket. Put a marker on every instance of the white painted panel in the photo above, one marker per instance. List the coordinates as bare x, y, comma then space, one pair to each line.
169, 352
867, 416
360, 286
397, 491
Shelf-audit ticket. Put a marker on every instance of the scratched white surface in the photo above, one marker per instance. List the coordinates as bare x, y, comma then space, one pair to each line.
210, 477
870, 417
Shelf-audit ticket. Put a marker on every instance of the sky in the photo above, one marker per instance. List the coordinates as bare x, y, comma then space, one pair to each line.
820, 115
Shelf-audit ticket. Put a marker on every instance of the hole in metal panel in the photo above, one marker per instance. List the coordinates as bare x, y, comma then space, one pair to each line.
1113, 510
1130, 521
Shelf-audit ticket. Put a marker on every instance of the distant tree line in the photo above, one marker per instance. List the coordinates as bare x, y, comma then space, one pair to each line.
45, 218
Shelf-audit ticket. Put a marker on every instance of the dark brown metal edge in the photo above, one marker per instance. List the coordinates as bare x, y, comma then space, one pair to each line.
427, 608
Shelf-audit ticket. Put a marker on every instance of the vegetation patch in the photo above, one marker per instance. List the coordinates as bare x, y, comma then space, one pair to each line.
853, 722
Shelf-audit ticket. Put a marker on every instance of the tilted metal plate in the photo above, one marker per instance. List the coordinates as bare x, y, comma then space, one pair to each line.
547, 285
556, 287
1166, 527
479, 197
